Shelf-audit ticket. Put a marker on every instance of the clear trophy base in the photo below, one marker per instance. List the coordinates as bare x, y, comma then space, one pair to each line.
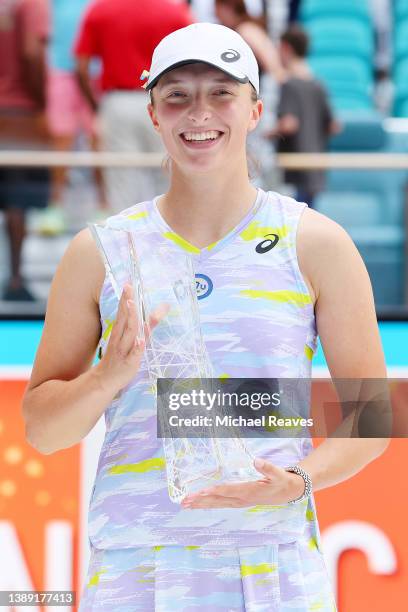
223, 461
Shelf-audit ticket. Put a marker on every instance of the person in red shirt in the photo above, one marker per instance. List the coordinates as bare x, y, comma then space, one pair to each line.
123, 35
24, 26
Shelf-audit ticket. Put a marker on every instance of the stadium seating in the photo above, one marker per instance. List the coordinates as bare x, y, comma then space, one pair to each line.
385, 187
400, 76
341, 37
380, 245
370, 206
342, 50
314, 9
350, 208
400, 10
400, 59
342, 102
402, 108
361, 131
346, 78
401, 40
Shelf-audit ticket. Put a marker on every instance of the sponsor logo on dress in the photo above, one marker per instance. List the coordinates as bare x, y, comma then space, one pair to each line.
204, 286
266, 245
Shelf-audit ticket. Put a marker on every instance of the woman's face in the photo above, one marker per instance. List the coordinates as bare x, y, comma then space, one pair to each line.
203, 117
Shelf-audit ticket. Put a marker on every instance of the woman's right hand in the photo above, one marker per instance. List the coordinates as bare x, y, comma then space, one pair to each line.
121, 360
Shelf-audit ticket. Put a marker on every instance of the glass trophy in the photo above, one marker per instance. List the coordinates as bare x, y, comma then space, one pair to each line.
175, 351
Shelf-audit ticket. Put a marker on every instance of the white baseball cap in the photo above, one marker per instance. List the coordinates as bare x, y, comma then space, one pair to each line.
210, 43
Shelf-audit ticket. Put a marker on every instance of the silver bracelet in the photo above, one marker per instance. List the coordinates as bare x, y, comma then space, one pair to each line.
308, 483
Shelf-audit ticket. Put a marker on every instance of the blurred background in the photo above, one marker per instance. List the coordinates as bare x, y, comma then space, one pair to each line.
76, 147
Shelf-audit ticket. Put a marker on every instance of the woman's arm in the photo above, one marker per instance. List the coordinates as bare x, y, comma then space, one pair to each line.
348, 330
56, 405
66, 396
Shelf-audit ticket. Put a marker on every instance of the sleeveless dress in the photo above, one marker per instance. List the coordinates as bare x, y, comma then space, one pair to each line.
150, 554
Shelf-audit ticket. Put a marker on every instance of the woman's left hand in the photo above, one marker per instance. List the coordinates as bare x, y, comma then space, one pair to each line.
276, 487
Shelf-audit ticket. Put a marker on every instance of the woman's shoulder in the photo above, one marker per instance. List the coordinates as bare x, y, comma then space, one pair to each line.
83, 260
324, 248
319, 230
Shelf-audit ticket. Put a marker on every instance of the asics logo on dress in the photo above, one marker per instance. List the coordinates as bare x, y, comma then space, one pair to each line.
267, 245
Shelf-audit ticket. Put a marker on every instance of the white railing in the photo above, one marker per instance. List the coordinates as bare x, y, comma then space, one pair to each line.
311, 161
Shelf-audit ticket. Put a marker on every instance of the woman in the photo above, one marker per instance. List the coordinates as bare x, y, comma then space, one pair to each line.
234, 14
235, 547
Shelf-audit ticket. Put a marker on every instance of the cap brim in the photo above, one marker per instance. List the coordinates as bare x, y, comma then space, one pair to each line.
241, 79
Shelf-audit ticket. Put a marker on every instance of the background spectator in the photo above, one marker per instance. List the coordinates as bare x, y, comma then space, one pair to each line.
204, 10
294, 7
123, 34
381, 12
234, 14
382, 16
305, 119
68, 112
23, 38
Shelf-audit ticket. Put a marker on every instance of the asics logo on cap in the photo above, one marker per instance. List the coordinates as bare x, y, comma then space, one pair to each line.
230, 55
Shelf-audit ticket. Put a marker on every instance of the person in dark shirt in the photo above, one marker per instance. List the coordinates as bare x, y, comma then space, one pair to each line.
305, 119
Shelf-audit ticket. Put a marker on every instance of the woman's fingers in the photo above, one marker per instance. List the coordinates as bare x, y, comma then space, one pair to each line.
124, 334
122, 314
129, 336
121, 360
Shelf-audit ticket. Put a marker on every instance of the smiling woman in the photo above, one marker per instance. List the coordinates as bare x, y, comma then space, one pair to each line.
272, 275
196, 107
175, 90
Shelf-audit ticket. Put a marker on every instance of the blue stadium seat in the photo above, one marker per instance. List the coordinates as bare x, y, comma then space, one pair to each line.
401, 40
401, 108
350, 208
361, 131
313, 9
400, 77
353, 73
365, 132
380, 245
361, 205
382, 249
370, 204
351, 102
386, 187
397, 141
341, 36
345, 78
400, 10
